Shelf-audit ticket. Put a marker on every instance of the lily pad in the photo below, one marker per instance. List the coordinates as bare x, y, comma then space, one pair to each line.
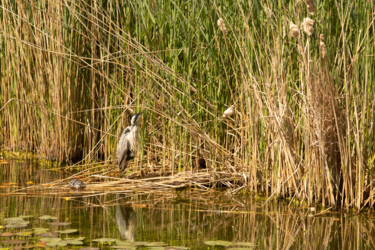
104, 240
40, 230
13, 242
89, 248
244, 244
241, 248
48, 234
79, 238
25, 234
17, 224
7, 234
124, 247
156, 244
47, 217
67, 231
141, 243
57, 244
52, 239
26, 216
74, 242
13, 219
218, 243
60, 223
124, 243
176, 248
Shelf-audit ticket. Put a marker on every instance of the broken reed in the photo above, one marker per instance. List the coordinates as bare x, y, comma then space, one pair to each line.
302, 103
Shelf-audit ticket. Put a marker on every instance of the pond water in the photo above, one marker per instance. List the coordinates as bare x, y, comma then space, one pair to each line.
180, 220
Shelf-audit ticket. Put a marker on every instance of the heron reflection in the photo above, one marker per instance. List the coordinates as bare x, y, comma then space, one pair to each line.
126, 222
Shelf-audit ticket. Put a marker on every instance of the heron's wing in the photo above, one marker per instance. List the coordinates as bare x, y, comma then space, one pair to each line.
123, 146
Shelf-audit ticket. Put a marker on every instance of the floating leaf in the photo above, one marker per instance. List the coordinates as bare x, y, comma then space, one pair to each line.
7, 234
57, 244
31, 246
48, 240
241, 248
124, 247
89, 248
13, 242
156, 244
26, 216
48, 234
26, 234
67, 231
218, 243
104, 240
60, 223
156, 248
176, 248
244, 244
141, 243
47, 217
124, 243
39, 230
17, 224
79, 238
13, 219
74, 242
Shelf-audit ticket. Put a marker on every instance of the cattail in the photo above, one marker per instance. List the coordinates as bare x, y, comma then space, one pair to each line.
322, 47
310, 6
221, 24
228, 112
294, 30
307, 26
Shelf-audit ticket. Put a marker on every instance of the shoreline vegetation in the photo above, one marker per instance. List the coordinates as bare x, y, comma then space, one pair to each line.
277, 95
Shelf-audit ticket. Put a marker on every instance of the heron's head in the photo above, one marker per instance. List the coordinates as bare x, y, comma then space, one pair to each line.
135, 120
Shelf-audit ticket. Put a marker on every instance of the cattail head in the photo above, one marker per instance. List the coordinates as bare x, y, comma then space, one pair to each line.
307, 26
294, 30
322, 47
221, 24
228, 112
310, 6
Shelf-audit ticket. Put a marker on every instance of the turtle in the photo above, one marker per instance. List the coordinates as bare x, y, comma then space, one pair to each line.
77, 184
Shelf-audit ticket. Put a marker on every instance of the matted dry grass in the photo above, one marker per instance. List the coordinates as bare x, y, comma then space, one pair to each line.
106, 183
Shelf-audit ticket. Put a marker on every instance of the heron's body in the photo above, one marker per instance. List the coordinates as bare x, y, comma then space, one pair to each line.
128, 144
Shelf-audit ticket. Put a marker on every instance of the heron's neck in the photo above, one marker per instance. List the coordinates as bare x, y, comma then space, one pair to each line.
134, 128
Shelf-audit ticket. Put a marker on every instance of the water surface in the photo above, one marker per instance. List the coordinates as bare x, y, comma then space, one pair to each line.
177, 220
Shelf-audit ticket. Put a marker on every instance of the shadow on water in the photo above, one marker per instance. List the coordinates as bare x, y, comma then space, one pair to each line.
189, 219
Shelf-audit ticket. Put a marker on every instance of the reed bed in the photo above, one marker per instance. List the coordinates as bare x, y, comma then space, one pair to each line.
102, 184
279, 93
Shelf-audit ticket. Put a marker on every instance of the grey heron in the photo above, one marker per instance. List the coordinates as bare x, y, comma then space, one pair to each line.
129, 142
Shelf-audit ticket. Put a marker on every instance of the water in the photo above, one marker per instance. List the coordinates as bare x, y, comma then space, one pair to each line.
190, 219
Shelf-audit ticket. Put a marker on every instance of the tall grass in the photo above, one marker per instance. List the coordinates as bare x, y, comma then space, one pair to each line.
303, 120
